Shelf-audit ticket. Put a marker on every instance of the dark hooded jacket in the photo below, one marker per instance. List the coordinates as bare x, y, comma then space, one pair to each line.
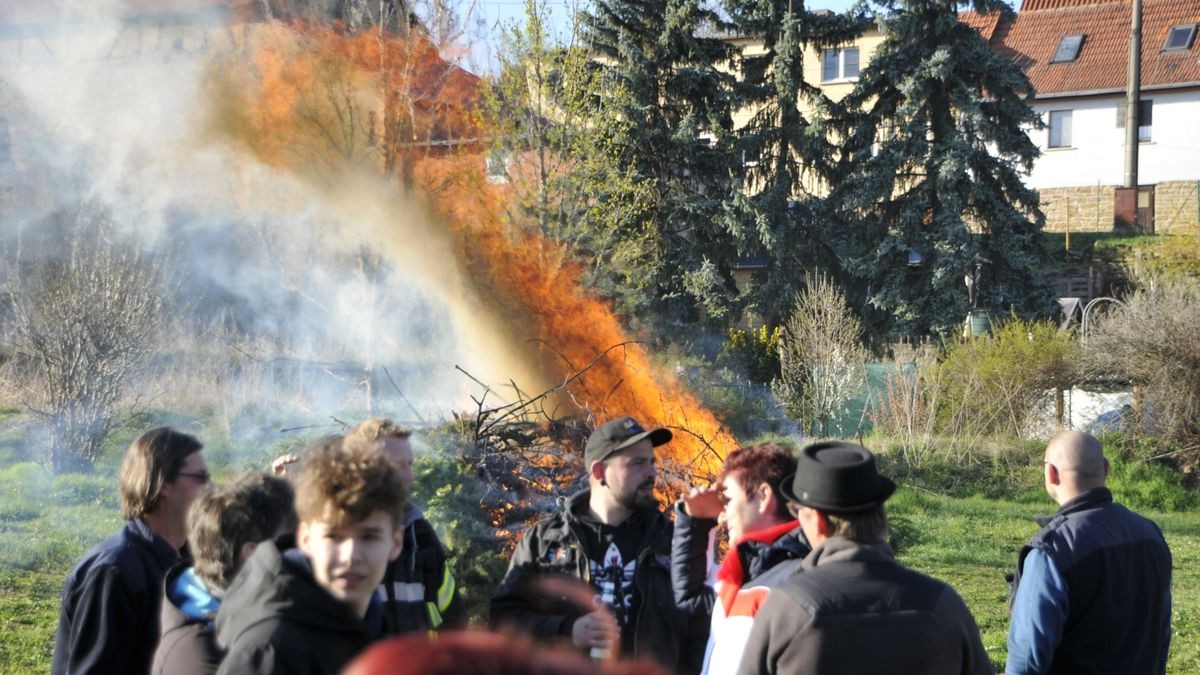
109, 613
419, 591
558, 546
276, 619
854, 610
734, 600
189, 643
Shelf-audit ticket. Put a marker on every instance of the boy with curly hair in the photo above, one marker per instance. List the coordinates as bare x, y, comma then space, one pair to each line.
312, 608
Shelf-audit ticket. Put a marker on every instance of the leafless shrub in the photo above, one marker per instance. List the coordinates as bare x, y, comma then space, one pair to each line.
904, 411
1153, 341
821, 356
87, 320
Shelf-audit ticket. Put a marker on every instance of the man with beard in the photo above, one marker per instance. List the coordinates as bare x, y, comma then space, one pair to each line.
614, 537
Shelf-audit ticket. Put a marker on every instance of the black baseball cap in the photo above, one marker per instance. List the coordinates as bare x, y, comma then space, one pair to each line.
618, 434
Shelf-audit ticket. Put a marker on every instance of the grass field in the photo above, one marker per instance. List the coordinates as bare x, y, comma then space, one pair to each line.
963, 526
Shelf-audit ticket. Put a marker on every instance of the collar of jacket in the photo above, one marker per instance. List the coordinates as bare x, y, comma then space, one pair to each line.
166, 554
840, 549
733, 570
1082, 502
413, 515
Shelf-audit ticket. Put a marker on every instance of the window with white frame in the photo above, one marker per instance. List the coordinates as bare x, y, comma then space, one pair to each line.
1180, 37
1060, 129
839, 64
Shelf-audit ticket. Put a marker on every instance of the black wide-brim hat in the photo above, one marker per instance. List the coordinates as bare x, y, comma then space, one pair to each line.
616, 435
837, 477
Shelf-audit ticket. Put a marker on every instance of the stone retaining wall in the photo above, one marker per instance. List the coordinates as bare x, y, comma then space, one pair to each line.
1090, 208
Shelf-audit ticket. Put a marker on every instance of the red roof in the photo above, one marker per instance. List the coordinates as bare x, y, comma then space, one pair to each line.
1032, 37
984, 23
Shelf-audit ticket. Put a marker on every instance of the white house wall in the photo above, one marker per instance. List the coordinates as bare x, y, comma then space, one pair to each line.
1097, 152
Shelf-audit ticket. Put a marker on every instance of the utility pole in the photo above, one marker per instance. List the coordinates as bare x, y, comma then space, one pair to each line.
1133, 96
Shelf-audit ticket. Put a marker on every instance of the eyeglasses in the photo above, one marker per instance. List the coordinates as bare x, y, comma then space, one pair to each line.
202, 477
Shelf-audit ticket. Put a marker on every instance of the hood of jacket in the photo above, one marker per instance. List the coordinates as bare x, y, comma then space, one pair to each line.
191, 596
576, 512
278, 585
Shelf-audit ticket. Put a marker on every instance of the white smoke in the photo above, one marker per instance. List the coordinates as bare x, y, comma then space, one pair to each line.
302, 289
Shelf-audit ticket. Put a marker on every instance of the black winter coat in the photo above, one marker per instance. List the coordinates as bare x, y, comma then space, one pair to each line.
855, 611
277, 620
555, 546
108, 620
420, 593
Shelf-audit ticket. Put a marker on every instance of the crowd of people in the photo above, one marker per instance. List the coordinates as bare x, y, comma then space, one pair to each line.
325, 564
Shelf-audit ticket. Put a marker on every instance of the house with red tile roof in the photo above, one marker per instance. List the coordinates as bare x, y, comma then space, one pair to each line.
1076, 53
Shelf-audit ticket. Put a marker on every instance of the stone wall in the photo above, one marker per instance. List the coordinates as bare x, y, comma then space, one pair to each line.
1078, 209
1176, 209
1090, 208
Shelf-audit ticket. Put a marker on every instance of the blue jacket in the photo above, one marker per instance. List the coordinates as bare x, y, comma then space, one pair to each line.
1092, 593
109, 616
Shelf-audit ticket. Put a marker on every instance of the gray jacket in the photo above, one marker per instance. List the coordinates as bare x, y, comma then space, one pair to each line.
856, 610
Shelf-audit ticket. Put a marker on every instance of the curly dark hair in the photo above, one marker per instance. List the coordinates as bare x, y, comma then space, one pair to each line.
341, 484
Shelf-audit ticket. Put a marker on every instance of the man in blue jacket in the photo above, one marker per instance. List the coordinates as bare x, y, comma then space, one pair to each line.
109, 619
1092, 592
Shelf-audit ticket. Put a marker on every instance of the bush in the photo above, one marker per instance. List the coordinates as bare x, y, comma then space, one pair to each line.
992, 385
754, 352
821, 356
1153, 341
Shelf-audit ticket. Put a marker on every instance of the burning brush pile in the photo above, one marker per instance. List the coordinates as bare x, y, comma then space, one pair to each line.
525, 447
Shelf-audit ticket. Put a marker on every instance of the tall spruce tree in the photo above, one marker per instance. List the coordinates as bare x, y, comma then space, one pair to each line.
785, 146
931, 185
665, 110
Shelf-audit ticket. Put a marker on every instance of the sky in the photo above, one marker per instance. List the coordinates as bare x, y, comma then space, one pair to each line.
488, 18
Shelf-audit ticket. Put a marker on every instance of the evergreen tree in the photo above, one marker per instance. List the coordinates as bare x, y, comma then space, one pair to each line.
664, 115
785, 146
931, 183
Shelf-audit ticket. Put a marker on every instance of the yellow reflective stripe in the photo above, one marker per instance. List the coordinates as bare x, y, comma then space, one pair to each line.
446, 592
435, 617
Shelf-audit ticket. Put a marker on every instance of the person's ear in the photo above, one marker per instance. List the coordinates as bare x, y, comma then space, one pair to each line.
766, 499
1052, 474
823, 527
397, 543
597, 471
246, 551
302, 535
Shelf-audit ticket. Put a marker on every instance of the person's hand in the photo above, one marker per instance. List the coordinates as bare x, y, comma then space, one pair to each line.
279, 467
596, 630
703, 503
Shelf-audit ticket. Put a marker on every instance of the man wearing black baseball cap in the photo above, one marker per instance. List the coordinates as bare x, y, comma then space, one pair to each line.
613, 536
852, 608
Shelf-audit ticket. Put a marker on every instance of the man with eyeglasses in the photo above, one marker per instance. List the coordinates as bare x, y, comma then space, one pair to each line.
111, 603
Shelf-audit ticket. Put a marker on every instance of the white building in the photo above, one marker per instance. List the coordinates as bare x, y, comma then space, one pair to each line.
1076, 54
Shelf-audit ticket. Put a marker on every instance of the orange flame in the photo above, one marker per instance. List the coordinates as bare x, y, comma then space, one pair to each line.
429, 143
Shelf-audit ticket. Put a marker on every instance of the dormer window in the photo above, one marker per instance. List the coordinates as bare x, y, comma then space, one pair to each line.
1179, 38
1068, 49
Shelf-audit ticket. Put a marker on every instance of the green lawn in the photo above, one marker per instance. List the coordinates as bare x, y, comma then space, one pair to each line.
969, 541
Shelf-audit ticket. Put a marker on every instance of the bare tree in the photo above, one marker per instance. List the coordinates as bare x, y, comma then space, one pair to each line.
87, 320
1153, 341
821, 355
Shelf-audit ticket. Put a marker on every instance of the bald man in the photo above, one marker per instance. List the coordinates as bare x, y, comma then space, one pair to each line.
1092, 591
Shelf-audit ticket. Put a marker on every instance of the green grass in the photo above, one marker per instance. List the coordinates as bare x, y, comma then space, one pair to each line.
972, 542
962, 522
